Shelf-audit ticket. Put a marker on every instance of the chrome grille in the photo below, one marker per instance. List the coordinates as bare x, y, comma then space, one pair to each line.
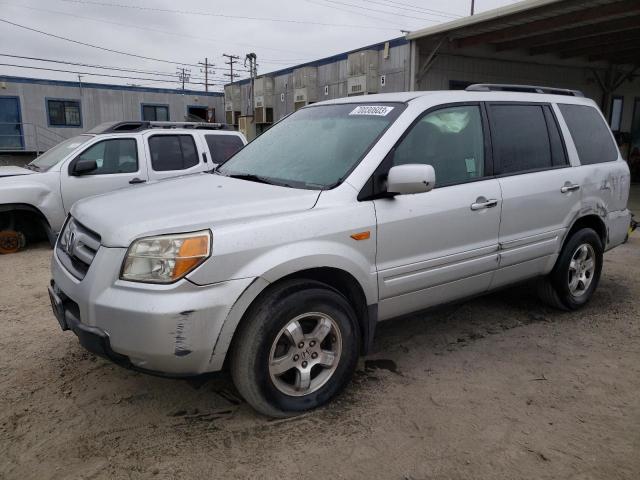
76, 247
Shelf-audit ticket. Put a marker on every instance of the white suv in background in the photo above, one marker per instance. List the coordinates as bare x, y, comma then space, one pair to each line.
35, 200
281, 262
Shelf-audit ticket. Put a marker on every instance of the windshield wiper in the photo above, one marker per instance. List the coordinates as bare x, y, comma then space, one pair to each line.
252, 178
32, 166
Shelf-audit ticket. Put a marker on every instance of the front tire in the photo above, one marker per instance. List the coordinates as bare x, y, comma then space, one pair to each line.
296, 349
577, 272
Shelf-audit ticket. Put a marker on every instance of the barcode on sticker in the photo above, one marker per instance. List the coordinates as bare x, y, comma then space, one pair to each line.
378, 110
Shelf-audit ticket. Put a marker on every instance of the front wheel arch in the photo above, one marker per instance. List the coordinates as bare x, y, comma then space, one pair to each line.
21, 216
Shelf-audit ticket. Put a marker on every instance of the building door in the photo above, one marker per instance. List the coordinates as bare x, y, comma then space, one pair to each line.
10, 124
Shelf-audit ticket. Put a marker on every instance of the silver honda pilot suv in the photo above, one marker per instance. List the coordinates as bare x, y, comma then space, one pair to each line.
281, 263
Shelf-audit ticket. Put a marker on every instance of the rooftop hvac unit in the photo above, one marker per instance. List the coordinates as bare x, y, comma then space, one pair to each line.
247, 127
232, 97
305, 85
362, 70
263, 92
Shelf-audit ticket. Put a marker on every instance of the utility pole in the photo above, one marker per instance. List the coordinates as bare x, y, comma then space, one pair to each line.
473, 6
252, 59
183, 75
233, 59
206, 70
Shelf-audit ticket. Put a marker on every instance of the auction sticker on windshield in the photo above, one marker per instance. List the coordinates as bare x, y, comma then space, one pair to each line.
378, 110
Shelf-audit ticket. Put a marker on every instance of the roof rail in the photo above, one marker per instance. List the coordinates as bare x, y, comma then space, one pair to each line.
499, 87
196, 125
137, 126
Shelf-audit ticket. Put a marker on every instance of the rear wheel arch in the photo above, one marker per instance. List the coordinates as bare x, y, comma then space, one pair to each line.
592, 221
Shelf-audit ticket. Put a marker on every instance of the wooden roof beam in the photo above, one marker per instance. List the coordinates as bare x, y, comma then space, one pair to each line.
573, 33
605, 50
588, 42
629, 56
559, 22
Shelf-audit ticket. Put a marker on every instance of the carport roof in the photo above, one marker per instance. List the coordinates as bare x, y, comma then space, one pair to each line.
595, 30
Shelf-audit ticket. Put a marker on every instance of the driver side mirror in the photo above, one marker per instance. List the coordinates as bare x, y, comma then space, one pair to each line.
83, 167
411, 178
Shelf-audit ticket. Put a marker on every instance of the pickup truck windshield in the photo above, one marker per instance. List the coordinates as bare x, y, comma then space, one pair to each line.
316, 147
55, 154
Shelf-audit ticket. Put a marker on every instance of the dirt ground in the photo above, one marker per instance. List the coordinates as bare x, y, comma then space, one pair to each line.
499, 387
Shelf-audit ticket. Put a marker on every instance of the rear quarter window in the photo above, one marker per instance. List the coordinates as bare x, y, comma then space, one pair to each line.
590, 134
222, 147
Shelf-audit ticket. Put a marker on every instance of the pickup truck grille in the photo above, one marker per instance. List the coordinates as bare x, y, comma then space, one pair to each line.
76, 248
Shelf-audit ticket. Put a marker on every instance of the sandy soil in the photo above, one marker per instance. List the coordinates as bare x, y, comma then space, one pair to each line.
500, 387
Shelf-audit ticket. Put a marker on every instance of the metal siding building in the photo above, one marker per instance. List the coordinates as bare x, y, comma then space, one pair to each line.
98, 103
328, 78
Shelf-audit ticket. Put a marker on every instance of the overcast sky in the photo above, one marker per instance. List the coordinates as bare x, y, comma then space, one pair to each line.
281, 32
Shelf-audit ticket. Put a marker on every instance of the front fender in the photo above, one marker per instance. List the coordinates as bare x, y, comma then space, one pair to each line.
43, 196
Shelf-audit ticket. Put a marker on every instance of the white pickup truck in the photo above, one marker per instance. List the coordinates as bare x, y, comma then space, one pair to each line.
35, 200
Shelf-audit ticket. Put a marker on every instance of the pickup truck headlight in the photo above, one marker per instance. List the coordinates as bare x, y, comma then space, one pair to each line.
165, 258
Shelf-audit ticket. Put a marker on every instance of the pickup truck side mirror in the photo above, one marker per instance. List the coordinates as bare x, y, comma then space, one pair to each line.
411, 178
83, 167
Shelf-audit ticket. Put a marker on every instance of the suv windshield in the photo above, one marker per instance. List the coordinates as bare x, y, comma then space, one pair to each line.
55, 154
316, 147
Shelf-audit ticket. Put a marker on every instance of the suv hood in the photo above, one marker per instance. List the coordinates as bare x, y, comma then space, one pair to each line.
185, 204
13, 171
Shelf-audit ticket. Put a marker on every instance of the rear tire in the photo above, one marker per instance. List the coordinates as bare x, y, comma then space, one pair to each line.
576, 274
297, 348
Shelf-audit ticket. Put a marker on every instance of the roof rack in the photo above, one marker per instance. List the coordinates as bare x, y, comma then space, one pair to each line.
137, 126
499, 87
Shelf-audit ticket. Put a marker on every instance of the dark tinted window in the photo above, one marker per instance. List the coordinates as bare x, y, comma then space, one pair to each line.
64, 113
223, 146
155, 113
450, 140
520, 138
113, 156
590, 134
172, 152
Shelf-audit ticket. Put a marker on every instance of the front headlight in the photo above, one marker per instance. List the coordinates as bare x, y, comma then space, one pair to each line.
165, 258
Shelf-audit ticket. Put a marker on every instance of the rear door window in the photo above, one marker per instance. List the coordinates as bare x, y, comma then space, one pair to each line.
222, 147
520, 138
172, 152
590, 134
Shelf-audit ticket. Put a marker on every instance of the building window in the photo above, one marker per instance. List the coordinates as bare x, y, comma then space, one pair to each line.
615, 115
64, 113
155, 113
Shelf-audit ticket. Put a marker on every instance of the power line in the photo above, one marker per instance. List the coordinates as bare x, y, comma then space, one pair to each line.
80, 64
354, 12
96, 74
220, 15
95, 46
369, 9
138, 27
414, 8
233, 59
175, 76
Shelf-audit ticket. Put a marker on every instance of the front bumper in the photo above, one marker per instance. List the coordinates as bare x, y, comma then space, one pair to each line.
165, 329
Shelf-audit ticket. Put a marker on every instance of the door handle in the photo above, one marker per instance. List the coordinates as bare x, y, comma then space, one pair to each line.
204, 157
485, 204
133, 181
570, 188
